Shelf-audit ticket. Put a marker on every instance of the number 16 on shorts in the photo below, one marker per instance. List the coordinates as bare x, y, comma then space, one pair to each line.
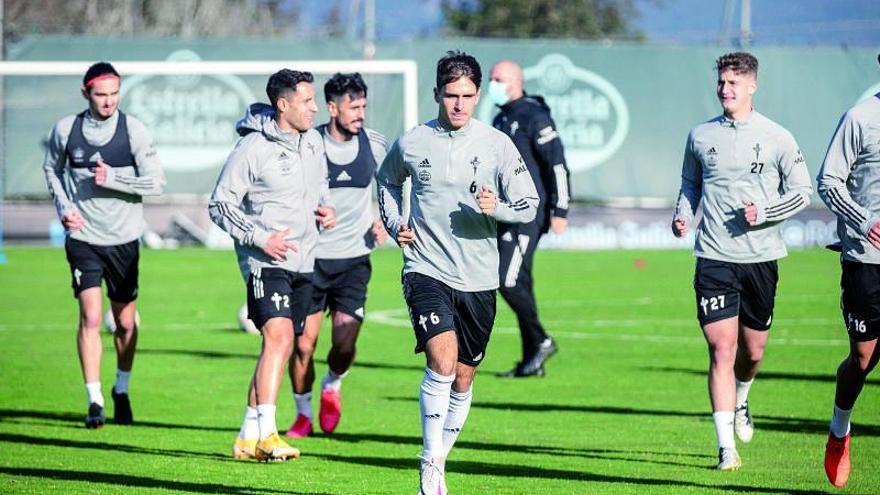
432, 317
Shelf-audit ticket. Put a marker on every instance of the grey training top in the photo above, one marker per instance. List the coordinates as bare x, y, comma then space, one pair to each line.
454, 242
350, 191
113, 213
728, 163
849, 180
272, 181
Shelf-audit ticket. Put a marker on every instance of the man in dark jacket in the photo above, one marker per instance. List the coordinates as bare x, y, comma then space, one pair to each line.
526, 119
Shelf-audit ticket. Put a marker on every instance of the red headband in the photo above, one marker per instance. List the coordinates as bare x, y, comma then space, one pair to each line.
95, 79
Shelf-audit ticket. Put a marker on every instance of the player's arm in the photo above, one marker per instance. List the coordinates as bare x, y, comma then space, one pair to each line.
150, 179
551, 155
839, 159
379, 147
326, 212
389, 181
53, 168
690, 191
518, 201
796, 187
238, 174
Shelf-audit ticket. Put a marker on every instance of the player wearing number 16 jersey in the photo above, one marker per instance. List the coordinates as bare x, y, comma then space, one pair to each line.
849, 184
466, 177
749, 175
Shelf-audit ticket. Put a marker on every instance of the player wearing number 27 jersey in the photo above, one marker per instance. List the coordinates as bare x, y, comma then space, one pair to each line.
749, 175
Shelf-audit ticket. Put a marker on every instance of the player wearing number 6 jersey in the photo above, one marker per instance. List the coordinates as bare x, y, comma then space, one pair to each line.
466, 177
749, 175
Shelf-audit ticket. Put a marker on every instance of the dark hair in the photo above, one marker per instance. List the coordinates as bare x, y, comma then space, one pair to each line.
345, 84
455, 65
283, 81
738, 62
97, 70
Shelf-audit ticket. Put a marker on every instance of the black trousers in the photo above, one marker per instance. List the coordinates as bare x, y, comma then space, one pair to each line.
516, 245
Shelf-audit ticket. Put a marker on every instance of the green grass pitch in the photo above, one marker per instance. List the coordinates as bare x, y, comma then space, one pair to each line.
623, 408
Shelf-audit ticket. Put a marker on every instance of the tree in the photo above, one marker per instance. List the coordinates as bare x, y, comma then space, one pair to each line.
585, 19
185, 18
334, 24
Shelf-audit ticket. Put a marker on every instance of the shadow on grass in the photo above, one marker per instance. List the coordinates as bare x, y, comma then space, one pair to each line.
605, 454
13, 415
383, 366
511, 471
127, 480
772, 423
107, 447
195, 353
829, 377
200, 354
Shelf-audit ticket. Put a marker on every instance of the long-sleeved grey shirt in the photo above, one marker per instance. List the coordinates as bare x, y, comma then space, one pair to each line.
729, 163
455, 242
849, 180
272, 181
350, 190
113, 213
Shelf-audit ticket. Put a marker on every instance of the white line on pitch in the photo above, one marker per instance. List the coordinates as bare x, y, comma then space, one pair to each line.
398, 318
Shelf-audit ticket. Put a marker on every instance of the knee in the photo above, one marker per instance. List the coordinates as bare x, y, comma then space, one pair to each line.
90, 321
861, 363
305, 348
128, 326
441, 367
753, 354
278, 342
723, 353
463, 382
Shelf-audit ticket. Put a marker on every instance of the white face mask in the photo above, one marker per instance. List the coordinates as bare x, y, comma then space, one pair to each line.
498, 93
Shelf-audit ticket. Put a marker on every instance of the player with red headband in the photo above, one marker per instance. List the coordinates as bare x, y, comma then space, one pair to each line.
99, 164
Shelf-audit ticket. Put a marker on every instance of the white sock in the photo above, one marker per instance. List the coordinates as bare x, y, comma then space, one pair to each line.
250, 427
742, 392
266, 420
121, 385
303, 404
459, 407
840, 422
93, 389
724, 429
332, 380
434, 406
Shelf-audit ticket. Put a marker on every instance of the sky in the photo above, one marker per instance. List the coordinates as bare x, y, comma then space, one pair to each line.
774, 22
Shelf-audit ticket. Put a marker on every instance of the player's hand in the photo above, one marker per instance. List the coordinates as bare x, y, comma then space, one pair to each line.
679, 227
558, 224
277, 246
488, 200
101, 173
72, 220
379, 233
326, 217
751, 213
874, 235
405, 236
